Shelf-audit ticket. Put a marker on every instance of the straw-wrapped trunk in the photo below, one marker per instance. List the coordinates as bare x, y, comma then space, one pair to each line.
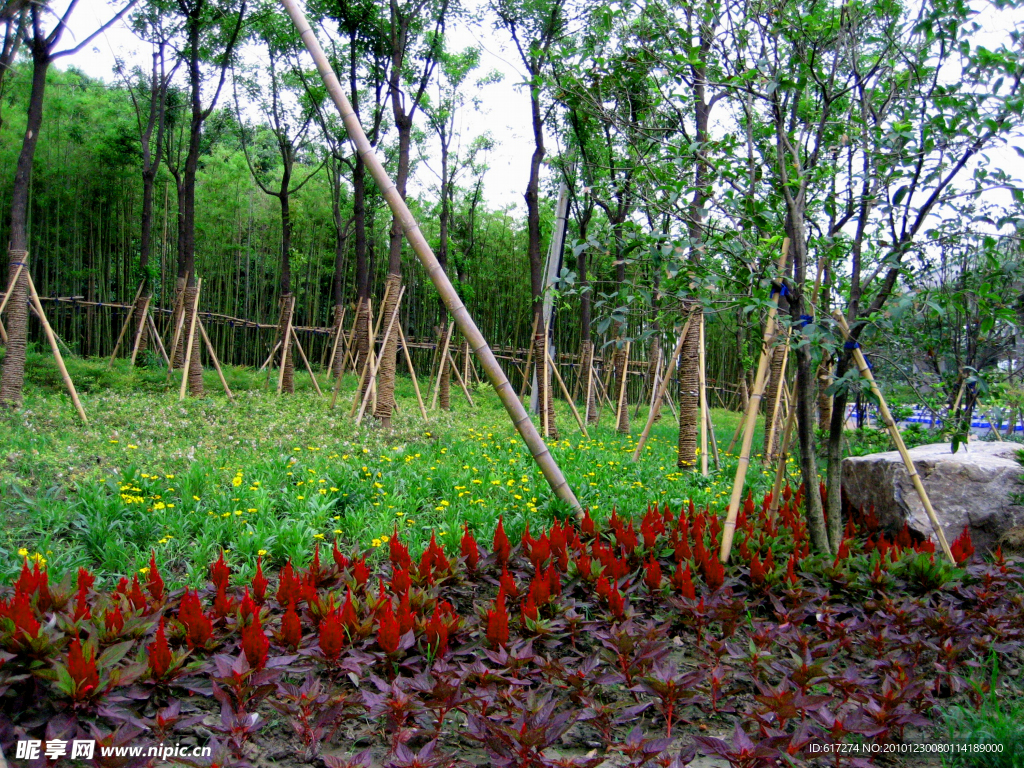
689, 393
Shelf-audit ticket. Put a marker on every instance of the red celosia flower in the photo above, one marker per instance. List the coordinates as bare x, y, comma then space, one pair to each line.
791, 576
554, 580
683, 582
501, 546
842, 554
339, 559
508, 584
400, 581
963, 547
35, 582
199, 627
468, 548
360, 572
82, 670
259, 582
219, 572
436, 633
585, 567
587, 524
24, 616
82, 603
604, 588
626, 537
138, 600
289, 588
529, 609
159, 654
315, 574
348, 617
307, 588
540, 589
652, 575
406, 617
291, 628
255, 643
388, 632
682, 547
714, 573
541, 550
85, 580
616, 603
497, 622
399, 553
154, 583
113, 621
769, 561
222, 603
247, 608
332, 635
757, 571
557, 539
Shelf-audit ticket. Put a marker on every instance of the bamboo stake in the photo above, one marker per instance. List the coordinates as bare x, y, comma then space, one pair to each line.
3, 302
124, 327
284, 345
711, 434
441, 364
138, 331
565, 391
780, 470
770, 428
894, 432
51, 337
462, 383
174, 307
662, 388
590, 384
622, 387
309, 368
371, 357
376, 361
191, 339
350, 341
177, 332
412, 371
216, 363
159, 341
534, 442
337, 381
529, 356
270, 357
545, 386
729, 529
337, 337
703, 399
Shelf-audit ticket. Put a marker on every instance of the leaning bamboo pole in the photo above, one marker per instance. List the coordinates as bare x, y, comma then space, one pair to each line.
894, 432
52, 338
442, 361
376, 360
124, 328
529, 356
538, 448
729, 529
337, 381
703, 399
412, 371
159, 341
462, 382
572, 405
3, 303
652, 416
138, 331
622, 390
309, 368
216, 363
191, 340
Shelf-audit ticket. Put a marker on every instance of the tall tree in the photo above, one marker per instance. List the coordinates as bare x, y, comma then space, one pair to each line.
43, 45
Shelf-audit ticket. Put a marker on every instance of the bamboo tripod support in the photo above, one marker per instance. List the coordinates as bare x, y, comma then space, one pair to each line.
509, 399
652, 416
890, 423
124, 326
442, 362
216, 363
412, 371
729, 529
770, 428
462, 382
159, 341
337, 381
191, 340
337, 336
14, 282
177, 330
622, 388
529, 357
309, 368
270, 357
52, 338
285, 343
371, 358
572, 405
137, 340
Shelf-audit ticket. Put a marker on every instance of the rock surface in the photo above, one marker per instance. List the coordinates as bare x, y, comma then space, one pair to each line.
970, 487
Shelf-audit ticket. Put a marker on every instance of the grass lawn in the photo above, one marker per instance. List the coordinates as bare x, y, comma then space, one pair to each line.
272, 474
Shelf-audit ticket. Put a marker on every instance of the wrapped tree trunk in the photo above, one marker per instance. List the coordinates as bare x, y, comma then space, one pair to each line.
338, 361
195, 367
17, 331
388, 355
772, 419
285, 319
444, 395
689, 394
140, 336
544, 396
362, 342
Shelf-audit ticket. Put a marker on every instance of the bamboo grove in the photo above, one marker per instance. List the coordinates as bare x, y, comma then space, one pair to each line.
712, 164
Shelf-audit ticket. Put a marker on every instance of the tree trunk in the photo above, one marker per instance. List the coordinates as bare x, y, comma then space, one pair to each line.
444, 390
12, 378
772, 437
689, 393
824, 400
545, 401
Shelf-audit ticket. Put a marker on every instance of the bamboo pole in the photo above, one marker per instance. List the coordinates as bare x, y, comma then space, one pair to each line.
703, 399
376, 361
711, 434
52, 338
216, 363
770, 428
337, 381
412, 371
652, 416
462, 383
565, 391
159, 341
337, 337
284, 345
124, 328
371, 357
622, 387
545, 386
191, 339
441, 364
780, 470
538, 448
270, 357
894, 432
138, 331
729, 529
177, 331
309, 368
529, 355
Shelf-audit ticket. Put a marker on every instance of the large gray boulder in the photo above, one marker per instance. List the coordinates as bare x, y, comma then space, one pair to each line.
971, 487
